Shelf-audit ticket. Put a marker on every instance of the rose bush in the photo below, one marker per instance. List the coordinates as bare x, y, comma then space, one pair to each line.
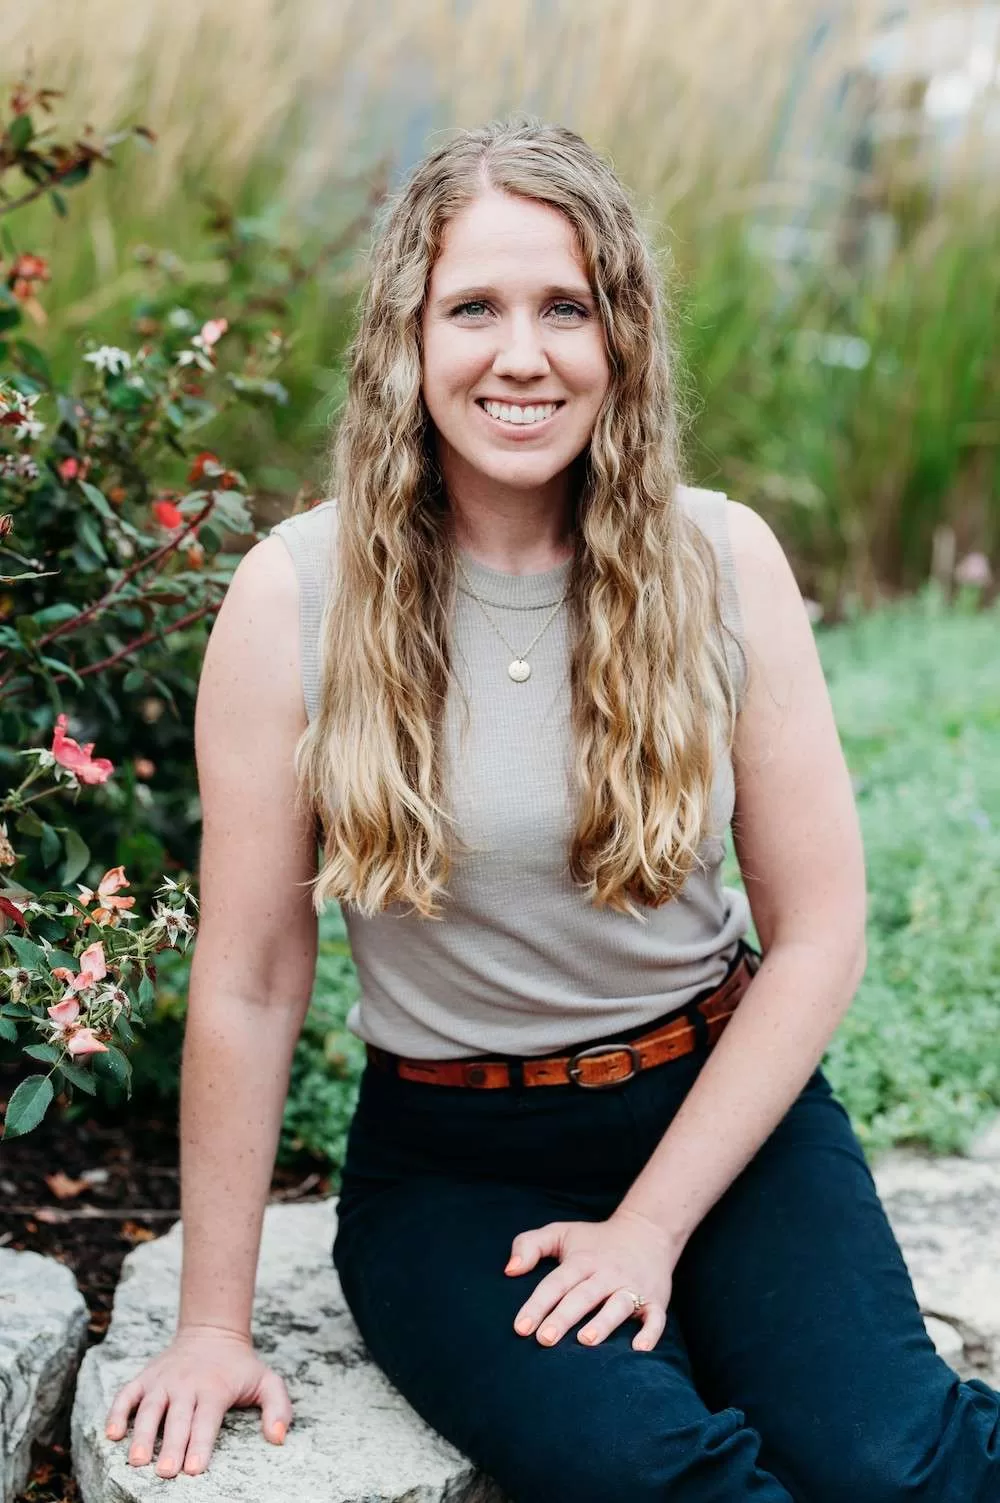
119, 528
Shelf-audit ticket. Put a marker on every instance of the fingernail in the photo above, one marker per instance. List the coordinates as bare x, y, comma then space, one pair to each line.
523, 1325
547, 1333
192, 1464
513, 1265
279, 1432
139, 1458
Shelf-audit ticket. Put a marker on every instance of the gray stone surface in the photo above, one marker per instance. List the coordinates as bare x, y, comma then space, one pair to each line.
43, 1331
353, 1438
946, 1215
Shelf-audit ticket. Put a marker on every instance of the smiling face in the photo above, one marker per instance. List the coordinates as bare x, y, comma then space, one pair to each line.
514, 361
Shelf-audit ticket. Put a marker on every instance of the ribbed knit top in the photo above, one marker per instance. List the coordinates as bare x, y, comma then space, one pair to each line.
521, 963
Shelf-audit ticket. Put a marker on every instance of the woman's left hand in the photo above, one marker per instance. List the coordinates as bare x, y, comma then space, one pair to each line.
599, 1260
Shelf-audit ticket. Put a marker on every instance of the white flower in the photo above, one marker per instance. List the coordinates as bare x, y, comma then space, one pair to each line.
110, 358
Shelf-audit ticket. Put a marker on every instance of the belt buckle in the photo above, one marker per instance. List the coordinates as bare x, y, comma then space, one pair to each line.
573, 1068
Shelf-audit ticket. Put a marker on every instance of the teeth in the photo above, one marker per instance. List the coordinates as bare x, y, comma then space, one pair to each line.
519, 416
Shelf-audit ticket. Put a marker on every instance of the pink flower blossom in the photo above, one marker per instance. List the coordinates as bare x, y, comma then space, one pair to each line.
85, 1041
93, 968
974, 569
167, 514
107, 903
213, 331
69, 753
65, 1012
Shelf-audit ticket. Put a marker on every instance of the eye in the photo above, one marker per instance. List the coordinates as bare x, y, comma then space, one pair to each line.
473, 303
573, 308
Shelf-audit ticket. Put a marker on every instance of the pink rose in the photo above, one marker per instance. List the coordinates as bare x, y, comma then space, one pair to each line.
85, 1041
65, 1012
69, 753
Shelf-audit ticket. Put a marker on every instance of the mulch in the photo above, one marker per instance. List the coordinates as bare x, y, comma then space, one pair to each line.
85, 1193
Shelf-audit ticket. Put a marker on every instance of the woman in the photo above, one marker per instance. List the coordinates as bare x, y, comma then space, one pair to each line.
602, 1220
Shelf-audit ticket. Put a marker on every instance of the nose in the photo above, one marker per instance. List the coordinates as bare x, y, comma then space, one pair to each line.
521, 352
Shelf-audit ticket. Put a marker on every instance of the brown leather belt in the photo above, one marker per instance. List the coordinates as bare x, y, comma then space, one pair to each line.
598, 1066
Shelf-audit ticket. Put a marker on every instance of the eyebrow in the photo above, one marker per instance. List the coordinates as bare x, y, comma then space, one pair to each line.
578, 291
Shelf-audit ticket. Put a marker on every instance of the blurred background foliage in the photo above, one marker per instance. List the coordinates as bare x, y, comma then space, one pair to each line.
820, 181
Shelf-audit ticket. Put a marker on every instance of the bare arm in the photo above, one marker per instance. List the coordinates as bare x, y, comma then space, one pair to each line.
255, 956
798, 842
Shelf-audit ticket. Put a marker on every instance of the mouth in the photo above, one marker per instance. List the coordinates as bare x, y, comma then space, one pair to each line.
518, 419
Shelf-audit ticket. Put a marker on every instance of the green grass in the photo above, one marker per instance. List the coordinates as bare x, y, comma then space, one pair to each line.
916, 690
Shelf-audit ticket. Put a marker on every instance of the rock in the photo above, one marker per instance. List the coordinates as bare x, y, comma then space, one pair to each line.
986, 1146
353, 1436
946, 1215
43, 1331
354, 1439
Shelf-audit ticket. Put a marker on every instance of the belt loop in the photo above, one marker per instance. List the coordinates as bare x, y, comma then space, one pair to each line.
515, 1074
702, 1036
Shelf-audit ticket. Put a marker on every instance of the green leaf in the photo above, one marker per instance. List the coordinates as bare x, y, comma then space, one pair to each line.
20, 132
79, 174
28, 1105
15, 1010
209, 539
51, 845
59, 204
98, 500
59, 666
51, 615
114, 1066
47, 1053
123, 1030
77, 856
81, 1078
28, 823
9, 318
29, 955
147, 996
34, 360
8, 1030
134, 679
88, 534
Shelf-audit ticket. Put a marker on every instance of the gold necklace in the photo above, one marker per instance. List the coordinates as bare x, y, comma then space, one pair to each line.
519, 669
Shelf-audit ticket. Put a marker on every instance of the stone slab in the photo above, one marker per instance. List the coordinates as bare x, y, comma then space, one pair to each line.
353, 1438
946, 1215
43, 1332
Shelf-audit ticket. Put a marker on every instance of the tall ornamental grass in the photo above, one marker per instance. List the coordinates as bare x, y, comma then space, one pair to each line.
835, 272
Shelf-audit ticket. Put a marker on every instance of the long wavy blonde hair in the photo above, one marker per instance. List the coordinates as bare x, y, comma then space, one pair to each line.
653, 697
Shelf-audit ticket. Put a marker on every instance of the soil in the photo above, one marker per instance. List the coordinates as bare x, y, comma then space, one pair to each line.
85, 1193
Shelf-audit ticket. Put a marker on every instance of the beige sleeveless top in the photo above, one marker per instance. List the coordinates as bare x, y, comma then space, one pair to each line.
521, 963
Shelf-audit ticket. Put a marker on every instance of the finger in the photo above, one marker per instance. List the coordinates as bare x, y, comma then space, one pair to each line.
147, 1423
573, 1307
653, 1325
205, 1427
617, 1308
276, 1407
125, 1401
546, 1296
175, 1436
528, 1247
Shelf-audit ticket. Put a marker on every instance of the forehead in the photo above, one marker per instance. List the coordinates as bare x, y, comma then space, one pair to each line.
501, 237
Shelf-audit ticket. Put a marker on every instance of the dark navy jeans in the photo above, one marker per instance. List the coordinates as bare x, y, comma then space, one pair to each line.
794, 1364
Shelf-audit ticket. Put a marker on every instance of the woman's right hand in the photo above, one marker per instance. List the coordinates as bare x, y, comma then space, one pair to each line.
189, 1386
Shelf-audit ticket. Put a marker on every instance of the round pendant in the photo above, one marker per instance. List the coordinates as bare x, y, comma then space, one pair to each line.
519, 670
